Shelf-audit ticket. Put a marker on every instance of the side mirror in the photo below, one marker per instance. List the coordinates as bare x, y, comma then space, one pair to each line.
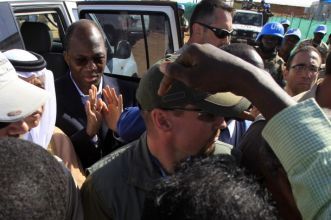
123, 50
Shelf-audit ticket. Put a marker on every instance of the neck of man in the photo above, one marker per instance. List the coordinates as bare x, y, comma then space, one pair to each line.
284, 52
191, 40
163, 151
267, 53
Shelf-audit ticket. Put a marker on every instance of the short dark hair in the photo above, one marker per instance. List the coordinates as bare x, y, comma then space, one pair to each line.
75, 26
300, 50
33, 183
204, 10
208, 188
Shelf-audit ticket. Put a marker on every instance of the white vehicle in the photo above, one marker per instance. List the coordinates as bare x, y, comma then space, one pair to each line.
246, 26
138, 33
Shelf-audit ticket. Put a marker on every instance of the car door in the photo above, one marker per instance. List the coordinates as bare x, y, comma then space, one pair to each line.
138, 33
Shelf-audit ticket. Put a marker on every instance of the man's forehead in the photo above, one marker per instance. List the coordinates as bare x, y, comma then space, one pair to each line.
306, 56
221, 16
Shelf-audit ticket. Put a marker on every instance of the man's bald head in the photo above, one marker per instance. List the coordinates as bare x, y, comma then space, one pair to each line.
82, 29
245, 52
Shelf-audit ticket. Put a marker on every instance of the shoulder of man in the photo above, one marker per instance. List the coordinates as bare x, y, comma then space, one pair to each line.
109, 158
62, 82
323, 48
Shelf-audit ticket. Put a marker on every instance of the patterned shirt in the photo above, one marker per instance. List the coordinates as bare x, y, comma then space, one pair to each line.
300, 136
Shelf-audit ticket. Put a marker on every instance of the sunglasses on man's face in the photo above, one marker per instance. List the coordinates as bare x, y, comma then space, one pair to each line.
219, 32
202, 115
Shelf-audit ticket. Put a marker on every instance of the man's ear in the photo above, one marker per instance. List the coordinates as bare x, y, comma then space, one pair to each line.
197, 29
161, 120
286, 72
66, 57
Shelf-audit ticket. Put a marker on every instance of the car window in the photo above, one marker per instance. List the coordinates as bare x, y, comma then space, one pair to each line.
51, 19
135, 40
247, 18
9, 34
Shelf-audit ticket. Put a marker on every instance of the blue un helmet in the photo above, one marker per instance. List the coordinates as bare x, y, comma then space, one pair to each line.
294, 32
272, 29
285, 22
181, 6
322, 28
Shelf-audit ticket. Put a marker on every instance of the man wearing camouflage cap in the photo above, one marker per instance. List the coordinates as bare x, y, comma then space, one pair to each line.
180, 124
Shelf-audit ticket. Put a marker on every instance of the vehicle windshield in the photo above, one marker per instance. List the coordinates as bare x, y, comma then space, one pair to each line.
248, 19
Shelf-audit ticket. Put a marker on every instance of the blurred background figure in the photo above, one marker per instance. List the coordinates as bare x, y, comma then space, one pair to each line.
268, 41
184, 26
317, 41
291, 38
286, 24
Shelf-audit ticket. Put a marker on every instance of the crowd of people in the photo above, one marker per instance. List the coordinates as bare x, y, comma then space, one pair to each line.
221, 131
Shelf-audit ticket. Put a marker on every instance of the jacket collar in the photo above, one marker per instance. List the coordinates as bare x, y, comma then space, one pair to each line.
143, 173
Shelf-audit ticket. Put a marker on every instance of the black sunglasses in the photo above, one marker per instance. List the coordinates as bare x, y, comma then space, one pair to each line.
219, 32
202, 115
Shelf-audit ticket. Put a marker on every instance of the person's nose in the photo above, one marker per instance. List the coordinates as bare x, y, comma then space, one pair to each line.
18, 128
91, 65
220, 123
310, 73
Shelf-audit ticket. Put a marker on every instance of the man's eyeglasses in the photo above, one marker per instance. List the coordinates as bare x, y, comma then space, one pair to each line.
202, 115
219, 32
303, 67
83, 61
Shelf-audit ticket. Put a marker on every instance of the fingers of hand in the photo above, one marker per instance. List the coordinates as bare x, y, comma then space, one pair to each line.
165, 85
99, 105
111, 96
120, 102
88, 109
114, 97
93, 96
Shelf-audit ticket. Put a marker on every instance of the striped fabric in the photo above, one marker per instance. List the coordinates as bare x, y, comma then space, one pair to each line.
301, 138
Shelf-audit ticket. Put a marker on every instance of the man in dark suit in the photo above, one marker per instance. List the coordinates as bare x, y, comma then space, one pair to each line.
80, 109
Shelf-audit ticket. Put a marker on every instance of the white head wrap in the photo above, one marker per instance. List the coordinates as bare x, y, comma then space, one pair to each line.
41, 134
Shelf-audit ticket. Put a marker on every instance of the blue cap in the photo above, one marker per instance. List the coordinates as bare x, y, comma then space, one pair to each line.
273, 29
321, 29
285, 21
181, 6
294, 32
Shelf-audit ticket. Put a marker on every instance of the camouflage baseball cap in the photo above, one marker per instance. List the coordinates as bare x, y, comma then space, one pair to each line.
223, 104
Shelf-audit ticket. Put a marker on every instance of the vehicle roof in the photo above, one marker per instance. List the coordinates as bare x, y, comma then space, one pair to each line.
248, 11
